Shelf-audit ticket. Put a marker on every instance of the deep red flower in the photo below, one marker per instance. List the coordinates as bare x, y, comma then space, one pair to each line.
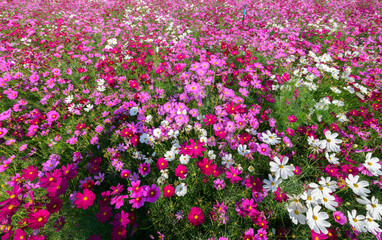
54, 205
104, 213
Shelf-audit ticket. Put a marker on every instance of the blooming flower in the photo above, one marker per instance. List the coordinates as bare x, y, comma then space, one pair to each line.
52, 116
331, 142
233, 174
317, 220
181, 171
152, 193
271, 184
85, 199
168, 191
357, 221
281, 169
3, 131
196, 216
358, 188
38, 219
339, 217
219, 184
181, 189
242, 149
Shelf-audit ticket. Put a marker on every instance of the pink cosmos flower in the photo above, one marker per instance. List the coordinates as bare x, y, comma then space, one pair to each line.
125, 173
162, 164
168, 191
85, 200
152, 193
118, 201
144, 169
23, 147
3, 131
38, 219
137, 202
52, 116
98, 129
292, 118
219, 184
20, 234
121, 219
196, 216
5, 115
201, 72
205, 65
339, 217
263, 149
181, 171
233, 174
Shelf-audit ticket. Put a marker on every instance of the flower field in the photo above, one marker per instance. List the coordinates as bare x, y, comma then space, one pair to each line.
190, 119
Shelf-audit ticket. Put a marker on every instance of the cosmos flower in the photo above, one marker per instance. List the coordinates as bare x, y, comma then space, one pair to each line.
196, 216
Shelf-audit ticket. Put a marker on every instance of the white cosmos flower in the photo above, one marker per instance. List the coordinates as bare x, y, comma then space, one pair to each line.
134, 111
331, 142
372, 164
88, 107
317, 220
143, 138
309, 199
296, 214
227, 160
281, 169
184, 159
68, 99
157, 132
270, 138
358, 188
318, 191
371, 225
170, 156
101, 88
373, 208
161, 180
148, 118
331, 158
271, 184
181, 190
357, 221
329, 202
242, 149
326, 182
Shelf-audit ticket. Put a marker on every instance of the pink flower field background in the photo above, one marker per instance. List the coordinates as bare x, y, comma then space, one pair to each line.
190, 119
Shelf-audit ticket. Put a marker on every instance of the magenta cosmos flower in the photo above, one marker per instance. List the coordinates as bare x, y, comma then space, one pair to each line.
152, 193
181, 171
3, 131
196, 216
292, 118
340, 217
38, 219
85, 200
263, 149
233, 174
52, 116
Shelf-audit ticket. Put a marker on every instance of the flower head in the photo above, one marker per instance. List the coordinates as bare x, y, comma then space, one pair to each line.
196, 216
